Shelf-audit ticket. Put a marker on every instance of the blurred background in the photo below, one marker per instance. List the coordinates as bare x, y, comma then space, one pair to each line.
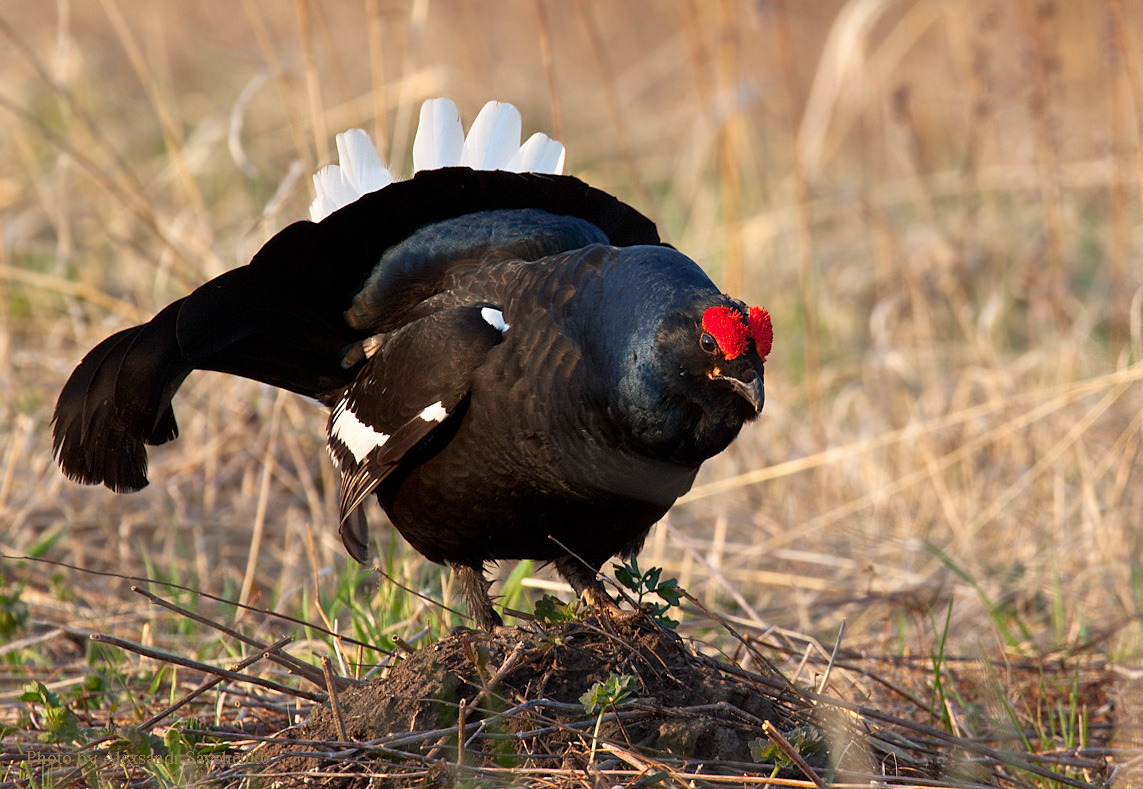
938, 202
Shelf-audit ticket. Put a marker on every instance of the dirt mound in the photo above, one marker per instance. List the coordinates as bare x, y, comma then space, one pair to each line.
517, 693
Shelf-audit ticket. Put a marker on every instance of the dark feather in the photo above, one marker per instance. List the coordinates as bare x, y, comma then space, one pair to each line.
515, 367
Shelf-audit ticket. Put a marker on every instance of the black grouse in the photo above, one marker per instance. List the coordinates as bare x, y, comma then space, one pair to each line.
516, 366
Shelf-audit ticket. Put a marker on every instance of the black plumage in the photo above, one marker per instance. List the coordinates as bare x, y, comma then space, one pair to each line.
514, 364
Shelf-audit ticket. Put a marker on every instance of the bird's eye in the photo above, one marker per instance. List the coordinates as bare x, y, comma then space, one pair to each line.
708, 344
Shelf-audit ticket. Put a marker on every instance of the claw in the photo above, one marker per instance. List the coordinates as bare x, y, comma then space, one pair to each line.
598, 599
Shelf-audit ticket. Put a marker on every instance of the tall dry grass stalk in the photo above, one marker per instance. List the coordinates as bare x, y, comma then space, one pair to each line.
895, 181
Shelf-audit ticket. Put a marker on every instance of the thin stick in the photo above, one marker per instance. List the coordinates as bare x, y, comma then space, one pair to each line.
376, 28
210, 683
285, 660
807, 276
266, 45
78, 290
715, 573
334, 703
505, 667
791, 752
761, 659
22, 431
312, 548
182, 587
460, 731
263, 495
832, 658
549, 69
1134, 78
313, 82
167, 657
608, 82
599, 575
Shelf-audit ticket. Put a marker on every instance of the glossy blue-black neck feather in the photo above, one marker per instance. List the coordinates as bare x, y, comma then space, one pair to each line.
646, 323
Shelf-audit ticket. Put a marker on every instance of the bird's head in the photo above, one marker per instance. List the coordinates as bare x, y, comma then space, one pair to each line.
736, 344
703, 378
721, 349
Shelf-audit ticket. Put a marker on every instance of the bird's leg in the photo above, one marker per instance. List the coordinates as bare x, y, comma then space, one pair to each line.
583, 581
475, 587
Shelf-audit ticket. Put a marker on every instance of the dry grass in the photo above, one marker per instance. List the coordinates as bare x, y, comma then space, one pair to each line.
938, 202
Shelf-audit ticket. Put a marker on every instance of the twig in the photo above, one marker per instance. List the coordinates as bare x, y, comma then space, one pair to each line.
334, 703
791, 752
647, 767
549, 71
689, 546
964, 743
313, 81
192, 590
607, 82
285, 660
167, 657
807, 274
832, 658
762, 659
460, 728
210, 683
264, 488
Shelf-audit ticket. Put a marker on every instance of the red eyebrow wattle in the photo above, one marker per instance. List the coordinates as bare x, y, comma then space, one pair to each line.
728, 330
761, 331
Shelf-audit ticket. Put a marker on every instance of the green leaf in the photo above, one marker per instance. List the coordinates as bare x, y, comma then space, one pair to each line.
551, 610
623, 575
613, 691
669, 591
36, 691
765, 751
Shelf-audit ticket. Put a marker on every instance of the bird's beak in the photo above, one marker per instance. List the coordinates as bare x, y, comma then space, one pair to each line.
752, 390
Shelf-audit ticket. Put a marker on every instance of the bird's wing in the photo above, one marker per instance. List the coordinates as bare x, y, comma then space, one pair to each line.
283, 318
419, 377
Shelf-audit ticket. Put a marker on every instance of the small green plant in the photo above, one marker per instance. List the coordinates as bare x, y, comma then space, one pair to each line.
613, 692
647, 583
130, 741
13, 613
807, 740
938, 700
551, 610
57, 720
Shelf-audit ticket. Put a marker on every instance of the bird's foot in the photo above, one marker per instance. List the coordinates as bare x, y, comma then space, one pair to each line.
475, 587
486, 617
601, 601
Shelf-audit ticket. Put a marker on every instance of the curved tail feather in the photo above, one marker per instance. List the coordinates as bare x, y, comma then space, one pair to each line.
91, 440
